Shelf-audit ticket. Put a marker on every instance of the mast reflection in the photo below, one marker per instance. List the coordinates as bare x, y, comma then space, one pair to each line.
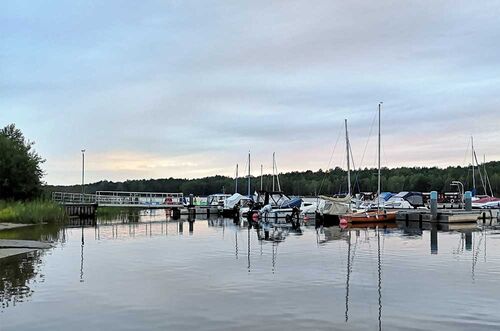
379, 283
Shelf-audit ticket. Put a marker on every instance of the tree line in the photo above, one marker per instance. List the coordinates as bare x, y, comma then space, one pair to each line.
312, 183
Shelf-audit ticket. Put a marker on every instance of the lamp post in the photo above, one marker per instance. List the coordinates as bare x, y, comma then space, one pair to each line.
460, 188
83, 174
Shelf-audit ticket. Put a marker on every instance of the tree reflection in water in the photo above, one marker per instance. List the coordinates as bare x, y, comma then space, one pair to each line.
19, 273
16, 277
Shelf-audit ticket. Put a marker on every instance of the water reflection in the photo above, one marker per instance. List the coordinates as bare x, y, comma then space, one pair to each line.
379, 283
16, 278
248, 251
81, 257
300, 265
434, 239
348, 277
17, 274
351, 253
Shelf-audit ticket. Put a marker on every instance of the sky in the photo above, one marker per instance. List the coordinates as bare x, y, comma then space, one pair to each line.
156, 89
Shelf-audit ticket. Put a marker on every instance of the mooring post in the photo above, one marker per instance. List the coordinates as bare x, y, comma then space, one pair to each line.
434, 202
468, 200
468, 240
434, 239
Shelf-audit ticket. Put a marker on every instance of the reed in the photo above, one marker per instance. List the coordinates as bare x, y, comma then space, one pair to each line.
31, 212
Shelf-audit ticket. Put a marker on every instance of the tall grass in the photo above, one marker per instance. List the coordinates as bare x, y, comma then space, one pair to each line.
31, 212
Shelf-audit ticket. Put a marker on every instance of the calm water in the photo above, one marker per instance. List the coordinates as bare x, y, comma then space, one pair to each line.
211, 275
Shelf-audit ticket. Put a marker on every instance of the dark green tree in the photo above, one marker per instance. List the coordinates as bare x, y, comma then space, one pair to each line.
20, 166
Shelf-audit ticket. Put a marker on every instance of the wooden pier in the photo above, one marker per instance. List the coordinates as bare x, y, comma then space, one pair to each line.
80, 209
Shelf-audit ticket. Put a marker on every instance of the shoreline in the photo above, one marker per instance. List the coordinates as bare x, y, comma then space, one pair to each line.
9, 226
13, 248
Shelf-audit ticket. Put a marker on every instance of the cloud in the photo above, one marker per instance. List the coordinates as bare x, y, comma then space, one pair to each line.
185, 88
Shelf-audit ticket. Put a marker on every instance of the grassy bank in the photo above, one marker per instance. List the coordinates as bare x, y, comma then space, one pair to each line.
31, 212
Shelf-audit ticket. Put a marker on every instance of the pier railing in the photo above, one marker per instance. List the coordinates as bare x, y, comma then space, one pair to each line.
122, 198
66, 198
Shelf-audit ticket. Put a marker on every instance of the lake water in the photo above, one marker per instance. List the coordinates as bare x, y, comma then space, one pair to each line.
156, 273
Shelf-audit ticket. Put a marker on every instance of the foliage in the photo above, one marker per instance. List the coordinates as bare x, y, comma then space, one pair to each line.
32, 212
20, 166
311, 183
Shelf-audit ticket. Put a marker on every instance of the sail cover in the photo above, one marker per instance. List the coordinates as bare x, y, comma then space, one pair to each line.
334, 206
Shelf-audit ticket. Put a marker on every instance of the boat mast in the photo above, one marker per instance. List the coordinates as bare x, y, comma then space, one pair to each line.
273, 171
378, 186
480, 174
261, 176
248, 173
348, 160
486, 177
473, 173
236, 182
277, 175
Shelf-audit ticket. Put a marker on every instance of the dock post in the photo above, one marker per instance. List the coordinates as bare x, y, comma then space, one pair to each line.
434, 202
191, 200
434, 239
191, 212
468, 200
468, 241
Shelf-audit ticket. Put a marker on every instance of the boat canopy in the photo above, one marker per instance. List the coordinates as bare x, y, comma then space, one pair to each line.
275, 199
215, 199
292, 203
386, 195
234, 199
414, 198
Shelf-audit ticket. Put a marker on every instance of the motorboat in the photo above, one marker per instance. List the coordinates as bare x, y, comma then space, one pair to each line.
402, 200
308, 211
233, 204
274, 207
486, 203
217, 200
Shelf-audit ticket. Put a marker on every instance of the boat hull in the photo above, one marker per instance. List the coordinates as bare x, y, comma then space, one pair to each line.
371, 217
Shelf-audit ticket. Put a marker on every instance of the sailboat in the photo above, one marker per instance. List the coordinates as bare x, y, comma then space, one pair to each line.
332, 208
379, 215
238, 205
488, 200
275, 207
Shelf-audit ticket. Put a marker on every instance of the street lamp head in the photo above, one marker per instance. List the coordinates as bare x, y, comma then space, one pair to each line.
83, 151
